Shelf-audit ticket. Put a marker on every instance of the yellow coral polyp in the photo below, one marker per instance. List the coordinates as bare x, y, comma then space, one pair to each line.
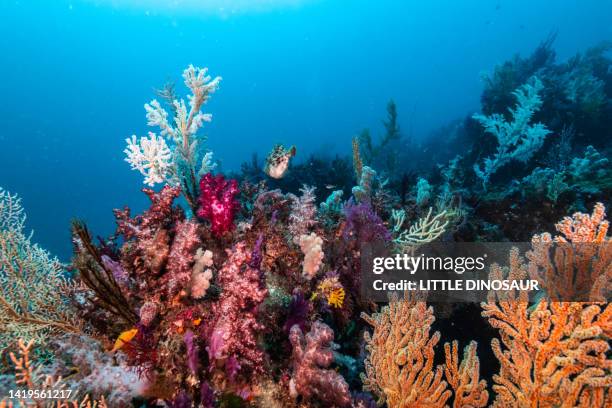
336, 297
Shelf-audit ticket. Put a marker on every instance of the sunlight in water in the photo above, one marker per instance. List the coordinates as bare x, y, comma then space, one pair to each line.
219, 7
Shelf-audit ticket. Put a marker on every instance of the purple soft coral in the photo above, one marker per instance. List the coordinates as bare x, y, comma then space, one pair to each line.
363, 224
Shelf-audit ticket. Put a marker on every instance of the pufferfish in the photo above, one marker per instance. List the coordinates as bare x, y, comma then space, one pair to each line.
277, 162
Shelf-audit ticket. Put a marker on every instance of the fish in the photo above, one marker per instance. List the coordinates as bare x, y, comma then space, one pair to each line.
124, 338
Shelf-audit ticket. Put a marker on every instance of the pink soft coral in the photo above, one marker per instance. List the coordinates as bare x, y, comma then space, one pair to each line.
234, 329
182, 252
312, 355
218, 203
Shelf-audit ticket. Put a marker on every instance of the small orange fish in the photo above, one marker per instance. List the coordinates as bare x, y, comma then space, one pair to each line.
124, 338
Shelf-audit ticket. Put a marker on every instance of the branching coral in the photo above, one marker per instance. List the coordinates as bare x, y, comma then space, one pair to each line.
426, 229
33, 286
151, 157
517, 140
181, 256
551, 354
176, 164
312, 377
96, 372
578, 267
399, 367
423, 189
201, 274
463, 377
363, 224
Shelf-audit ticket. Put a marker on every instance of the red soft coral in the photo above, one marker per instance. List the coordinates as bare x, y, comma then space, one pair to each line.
218, 202
160, 213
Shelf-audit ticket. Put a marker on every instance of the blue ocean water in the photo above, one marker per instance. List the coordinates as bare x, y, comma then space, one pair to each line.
75, 76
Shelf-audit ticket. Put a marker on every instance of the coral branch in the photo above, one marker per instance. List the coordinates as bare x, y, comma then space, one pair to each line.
399, 367
33, 287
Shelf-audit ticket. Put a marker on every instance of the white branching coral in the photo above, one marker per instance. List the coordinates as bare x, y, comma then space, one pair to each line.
312, 247
151, 157
517, 140
176, 162
425, 230
33, 288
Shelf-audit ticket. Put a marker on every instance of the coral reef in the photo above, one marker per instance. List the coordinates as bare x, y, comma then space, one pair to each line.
252, 296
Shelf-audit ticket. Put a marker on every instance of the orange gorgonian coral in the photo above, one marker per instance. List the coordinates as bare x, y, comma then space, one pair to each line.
552, 354
577, 265
28, 378
399, 367
469, 391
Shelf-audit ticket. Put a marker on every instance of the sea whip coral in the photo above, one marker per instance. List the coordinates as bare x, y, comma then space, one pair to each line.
312, 355
234, 328
218, 202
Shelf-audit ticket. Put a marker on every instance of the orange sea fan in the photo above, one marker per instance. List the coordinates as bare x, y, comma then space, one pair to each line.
399, 367
556, 354
577, 265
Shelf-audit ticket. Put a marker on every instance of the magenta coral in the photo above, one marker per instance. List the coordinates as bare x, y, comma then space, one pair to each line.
218, 202
234, 329
312, 355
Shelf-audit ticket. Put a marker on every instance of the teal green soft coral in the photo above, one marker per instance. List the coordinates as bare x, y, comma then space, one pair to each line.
518, 139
